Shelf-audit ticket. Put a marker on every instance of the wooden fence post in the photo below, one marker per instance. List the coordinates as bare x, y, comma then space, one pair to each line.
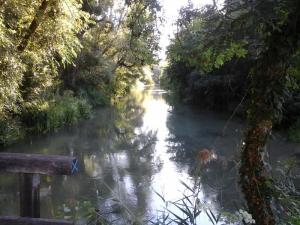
30, 167
29, 195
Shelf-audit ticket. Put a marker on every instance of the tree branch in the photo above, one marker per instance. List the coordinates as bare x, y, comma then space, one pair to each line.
33, 26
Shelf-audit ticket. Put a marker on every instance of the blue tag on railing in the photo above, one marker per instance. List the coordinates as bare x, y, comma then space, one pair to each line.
75, 168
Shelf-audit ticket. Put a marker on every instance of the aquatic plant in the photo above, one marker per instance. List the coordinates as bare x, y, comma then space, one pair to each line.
188, 209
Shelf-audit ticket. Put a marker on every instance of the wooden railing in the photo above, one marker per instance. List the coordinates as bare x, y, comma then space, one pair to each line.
30, 167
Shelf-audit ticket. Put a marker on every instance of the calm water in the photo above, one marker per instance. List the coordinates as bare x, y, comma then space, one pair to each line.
130, 152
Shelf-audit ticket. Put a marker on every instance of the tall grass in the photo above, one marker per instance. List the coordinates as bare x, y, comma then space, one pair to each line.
189, 209
61, 111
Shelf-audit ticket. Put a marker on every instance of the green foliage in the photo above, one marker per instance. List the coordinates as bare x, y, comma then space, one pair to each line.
211, 43
49, 116
211, 57
202, 70
295, 221
94, 48
95, 96
165, 82
52, 43
37, 37
190, 44
10, 131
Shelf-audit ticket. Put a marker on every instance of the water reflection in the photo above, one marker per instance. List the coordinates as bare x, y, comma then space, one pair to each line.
210, 143
124, 154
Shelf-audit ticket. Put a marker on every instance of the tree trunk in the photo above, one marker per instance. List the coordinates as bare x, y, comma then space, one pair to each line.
27, 78
33, 26
268, 84
254, 178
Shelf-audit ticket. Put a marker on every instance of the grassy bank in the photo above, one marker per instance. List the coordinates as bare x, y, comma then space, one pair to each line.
61, 111
45, 116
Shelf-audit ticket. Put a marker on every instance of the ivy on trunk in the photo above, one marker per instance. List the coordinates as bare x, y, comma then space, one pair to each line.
267, 87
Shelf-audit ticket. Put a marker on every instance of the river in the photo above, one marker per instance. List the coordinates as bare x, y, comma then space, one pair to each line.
136, 153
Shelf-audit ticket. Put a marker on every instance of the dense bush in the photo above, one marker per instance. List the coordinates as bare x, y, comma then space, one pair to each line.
48, 47
10, 131
51, 115
220, 76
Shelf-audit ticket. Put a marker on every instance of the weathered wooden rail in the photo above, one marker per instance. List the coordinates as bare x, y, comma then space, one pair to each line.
30, 167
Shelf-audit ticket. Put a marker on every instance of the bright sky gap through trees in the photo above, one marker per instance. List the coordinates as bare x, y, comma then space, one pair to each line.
171, 12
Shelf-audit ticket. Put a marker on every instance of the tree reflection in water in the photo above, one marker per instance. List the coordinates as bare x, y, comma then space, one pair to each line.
124, 155
116, 160
199, 142
196, 134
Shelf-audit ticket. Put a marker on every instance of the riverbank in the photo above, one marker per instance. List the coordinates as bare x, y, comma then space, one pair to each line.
219, 93
45, 117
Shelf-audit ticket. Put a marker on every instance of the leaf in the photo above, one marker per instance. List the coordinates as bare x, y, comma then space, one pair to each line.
182, 221
184, 184
159, 195
210, 218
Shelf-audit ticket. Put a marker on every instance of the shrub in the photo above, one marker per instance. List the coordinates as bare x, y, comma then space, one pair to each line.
95, 96
9, 132
295, 221
62, 110
84, 108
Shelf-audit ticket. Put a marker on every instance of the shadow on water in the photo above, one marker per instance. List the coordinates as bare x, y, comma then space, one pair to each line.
132, 150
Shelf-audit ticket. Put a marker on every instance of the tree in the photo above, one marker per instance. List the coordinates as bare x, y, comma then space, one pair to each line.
96, 49
267, 33
279, 22
122, 40
37, 38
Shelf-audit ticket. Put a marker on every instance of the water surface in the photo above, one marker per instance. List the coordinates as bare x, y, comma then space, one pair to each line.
132, 151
